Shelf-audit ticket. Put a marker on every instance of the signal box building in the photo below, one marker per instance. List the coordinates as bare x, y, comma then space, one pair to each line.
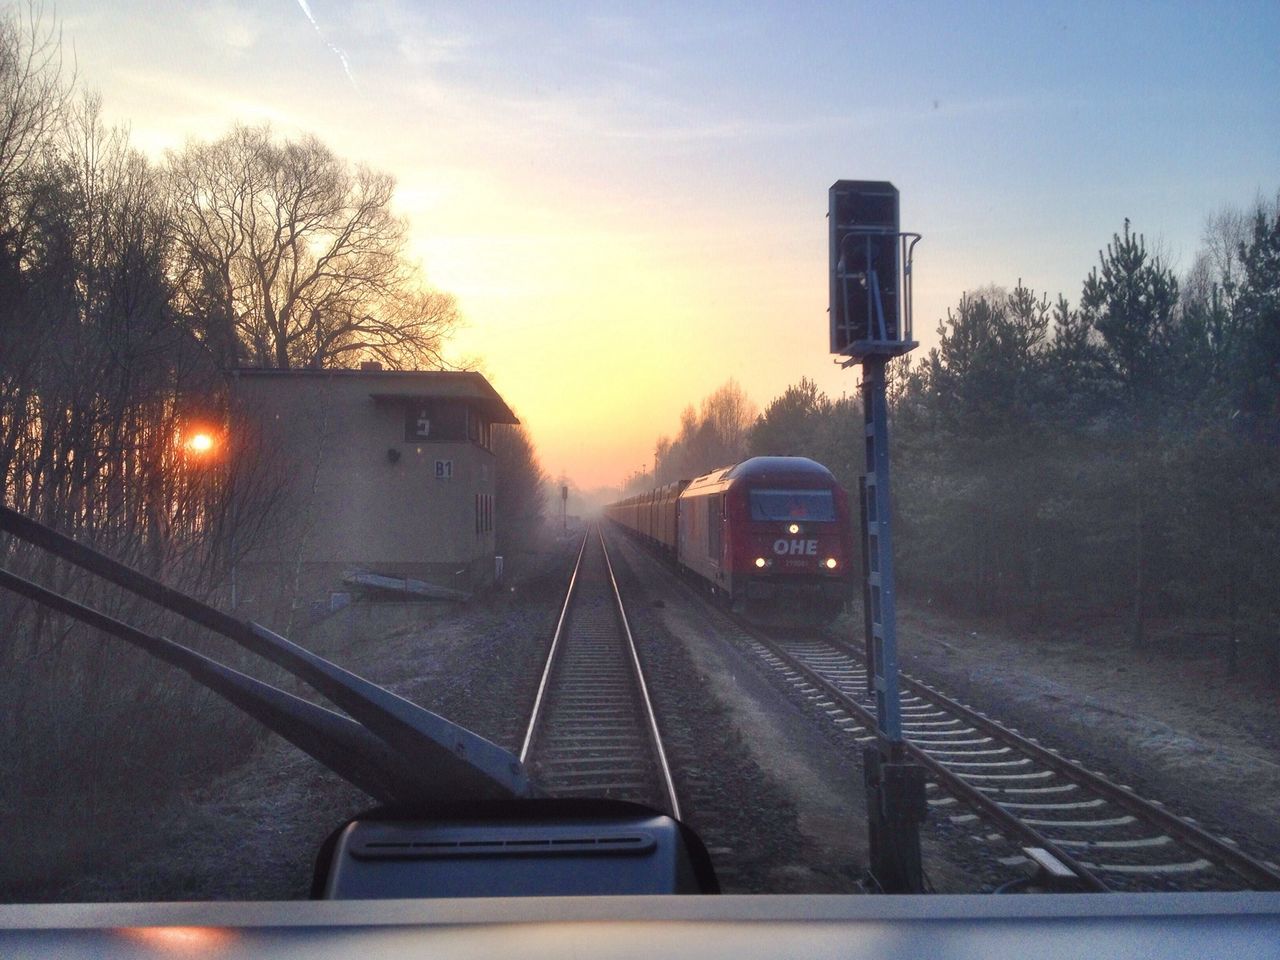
371, 476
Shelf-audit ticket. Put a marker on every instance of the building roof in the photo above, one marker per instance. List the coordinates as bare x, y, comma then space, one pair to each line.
390, 385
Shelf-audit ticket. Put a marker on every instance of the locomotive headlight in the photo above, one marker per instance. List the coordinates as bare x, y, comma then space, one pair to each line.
794, 528
832, 563
761, 562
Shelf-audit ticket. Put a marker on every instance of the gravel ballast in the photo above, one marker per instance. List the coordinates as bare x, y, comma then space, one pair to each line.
764, 776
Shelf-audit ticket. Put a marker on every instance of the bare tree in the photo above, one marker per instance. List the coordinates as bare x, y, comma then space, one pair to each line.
290, 257
33, 92
33, 98
520, 493
1219, 261
716, 438
731, 413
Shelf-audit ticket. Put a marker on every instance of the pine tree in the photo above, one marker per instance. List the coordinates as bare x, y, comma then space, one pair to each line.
1259, 307
1131, 301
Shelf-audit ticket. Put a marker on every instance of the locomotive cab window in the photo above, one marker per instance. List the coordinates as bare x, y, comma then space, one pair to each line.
811, 505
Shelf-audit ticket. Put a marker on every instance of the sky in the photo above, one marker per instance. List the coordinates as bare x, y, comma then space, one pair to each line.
628, 200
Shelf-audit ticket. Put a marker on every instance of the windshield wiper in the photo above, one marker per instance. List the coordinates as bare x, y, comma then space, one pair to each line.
394, 750
459, 818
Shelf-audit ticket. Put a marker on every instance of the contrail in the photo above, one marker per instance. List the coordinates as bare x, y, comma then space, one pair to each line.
342, 57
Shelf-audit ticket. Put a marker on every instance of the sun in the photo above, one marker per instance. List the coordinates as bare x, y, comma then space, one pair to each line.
200, 443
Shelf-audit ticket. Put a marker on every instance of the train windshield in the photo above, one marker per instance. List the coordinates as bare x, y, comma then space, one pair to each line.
348, 319
813, 505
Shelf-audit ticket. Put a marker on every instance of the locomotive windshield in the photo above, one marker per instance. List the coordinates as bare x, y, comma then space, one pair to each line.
812, 505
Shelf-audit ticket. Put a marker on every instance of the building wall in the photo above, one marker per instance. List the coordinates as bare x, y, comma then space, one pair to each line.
358, 496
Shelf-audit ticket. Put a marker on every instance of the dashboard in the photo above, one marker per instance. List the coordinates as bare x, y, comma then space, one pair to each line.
1043, 927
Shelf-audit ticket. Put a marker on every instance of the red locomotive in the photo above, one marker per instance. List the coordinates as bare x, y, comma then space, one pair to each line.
767, 533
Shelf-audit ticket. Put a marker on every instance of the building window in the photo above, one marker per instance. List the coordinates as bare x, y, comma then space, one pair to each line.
417, 422
481, 431
446, 421
435, 421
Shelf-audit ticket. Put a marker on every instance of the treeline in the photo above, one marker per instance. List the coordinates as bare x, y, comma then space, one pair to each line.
127, 289
1119, 456
520, 495
710, 436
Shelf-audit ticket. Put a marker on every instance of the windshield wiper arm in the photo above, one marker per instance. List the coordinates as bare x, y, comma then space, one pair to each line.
338, 742
433, 758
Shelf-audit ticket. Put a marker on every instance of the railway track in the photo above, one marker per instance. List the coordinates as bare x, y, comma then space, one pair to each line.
592, 731
1018, 792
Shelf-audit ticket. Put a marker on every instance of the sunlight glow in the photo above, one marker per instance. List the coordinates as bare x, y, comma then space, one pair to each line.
179, 940
633, 221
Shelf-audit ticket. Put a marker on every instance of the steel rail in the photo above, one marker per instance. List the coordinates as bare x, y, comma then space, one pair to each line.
1192, 836
955, 785
1201, 841
650, 716
540, 697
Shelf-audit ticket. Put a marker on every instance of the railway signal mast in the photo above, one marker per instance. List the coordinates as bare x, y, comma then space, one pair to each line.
870, 318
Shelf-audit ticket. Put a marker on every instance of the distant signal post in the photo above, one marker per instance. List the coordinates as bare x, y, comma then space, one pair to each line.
870, 320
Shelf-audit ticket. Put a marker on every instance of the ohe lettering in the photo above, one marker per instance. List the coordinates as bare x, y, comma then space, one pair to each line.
804, 548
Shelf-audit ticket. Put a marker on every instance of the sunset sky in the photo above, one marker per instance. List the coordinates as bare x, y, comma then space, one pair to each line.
628, 200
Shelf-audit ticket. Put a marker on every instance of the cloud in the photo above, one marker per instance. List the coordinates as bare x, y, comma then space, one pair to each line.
226, 25
422, 51
419, 35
